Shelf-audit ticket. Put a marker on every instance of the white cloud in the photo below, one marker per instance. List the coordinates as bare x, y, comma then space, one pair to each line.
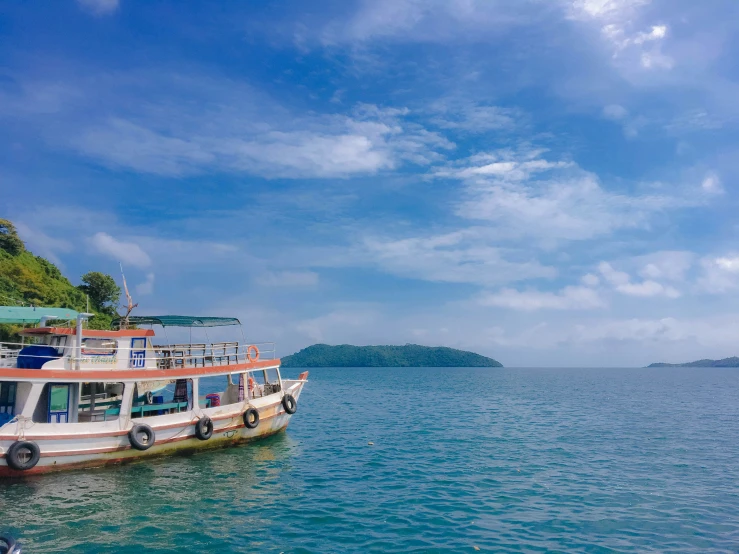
621, 282
613, 277
615, 112
128, 253
720, 274
668, 265
712, 184
425, 20
590, 280
99, 7
371, 140
648, 289
288, 279
459, 257
569, 298
473, 117
147, 287
606, 8
523, 194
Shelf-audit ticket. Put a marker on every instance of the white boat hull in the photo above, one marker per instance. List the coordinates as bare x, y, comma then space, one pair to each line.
68, 446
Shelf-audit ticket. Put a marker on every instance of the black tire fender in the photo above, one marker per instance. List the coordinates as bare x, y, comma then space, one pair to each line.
204, 428
23, 455
289, 403
8, 545
141, 436
251, 418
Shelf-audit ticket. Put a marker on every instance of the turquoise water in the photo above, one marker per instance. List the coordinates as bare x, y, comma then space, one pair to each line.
508, 460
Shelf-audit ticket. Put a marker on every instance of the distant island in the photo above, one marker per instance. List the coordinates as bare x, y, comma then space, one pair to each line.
410, 355
726, 362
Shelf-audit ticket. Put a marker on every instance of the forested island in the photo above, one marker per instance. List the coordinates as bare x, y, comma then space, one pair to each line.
726, 362
29, 280
410, 355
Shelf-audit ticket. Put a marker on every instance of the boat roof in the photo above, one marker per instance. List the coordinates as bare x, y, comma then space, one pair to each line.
21, 314
177, 321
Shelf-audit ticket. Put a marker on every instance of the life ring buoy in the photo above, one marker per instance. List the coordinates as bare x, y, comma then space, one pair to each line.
141, 436
289, 403
251, 418
204, 428
252, 357
23, 455
252, 384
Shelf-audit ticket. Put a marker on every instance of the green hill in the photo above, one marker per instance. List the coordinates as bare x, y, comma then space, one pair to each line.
726, 362
26, 279
410, 355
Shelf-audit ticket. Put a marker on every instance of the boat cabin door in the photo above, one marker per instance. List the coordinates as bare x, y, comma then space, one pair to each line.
58, 403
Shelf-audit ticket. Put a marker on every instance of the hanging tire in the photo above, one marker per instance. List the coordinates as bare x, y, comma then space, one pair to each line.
148, 398
23, 455
8, 545
289, 403
204, 429
141, 437
251, 418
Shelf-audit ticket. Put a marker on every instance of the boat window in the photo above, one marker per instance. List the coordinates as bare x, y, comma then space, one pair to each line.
59, 342
222, 390
273, 382
99, 401
98, 347
7, 401
155, 398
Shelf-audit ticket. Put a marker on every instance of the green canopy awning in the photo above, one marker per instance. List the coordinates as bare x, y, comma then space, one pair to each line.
17, 314
177, 321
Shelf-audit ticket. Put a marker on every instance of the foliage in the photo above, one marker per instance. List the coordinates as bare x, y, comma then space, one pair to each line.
103, 291
10, 242
26, 279
410, 355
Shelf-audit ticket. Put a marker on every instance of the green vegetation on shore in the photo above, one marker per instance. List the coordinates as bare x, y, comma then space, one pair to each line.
410, 355
726, 362
29, 280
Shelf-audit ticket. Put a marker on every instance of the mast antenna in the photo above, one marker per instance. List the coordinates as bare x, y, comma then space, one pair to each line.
129, 301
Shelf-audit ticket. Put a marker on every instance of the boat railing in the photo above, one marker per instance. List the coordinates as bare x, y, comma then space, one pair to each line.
171, 356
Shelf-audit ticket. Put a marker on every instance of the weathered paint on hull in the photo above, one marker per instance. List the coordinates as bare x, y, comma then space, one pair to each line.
226, 439
61, 452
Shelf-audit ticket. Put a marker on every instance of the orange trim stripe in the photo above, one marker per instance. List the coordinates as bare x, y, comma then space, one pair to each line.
89, 332
55, 375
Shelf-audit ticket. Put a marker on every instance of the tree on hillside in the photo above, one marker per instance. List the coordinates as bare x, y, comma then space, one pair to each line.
9, 239
103, 291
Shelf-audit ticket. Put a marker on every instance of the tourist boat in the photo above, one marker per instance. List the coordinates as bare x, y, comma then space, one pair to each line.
72, 397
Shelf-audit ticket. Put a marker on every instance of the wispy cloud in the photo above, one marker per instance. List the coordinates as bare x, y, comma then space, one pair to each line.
621, 282
288, 279
458, 257
147, 287
99, 7
122, 251
569, 298
524, 194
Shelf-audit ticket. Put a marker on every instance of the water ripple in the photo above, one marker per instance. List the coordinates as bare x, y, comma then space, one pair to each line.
568, 460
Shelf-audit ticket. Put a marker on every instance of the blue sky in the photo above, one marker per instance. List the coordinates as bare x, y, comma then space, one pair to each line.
549, 182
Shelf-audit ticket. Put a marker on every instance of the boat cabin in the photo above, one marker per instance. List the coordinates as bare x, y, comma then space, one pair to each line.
86, 375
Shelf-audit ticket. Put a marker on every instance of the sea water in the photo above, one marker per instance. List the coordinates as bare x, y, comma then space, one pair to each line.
429, 460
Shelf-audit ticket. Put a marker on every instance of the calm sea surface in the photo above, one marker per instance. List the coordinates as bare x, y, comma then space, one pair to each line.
506, 460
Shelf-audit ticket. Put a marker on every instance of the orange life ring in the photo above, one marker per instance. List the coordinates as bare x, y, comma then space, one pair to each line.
252, 357
251, 383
